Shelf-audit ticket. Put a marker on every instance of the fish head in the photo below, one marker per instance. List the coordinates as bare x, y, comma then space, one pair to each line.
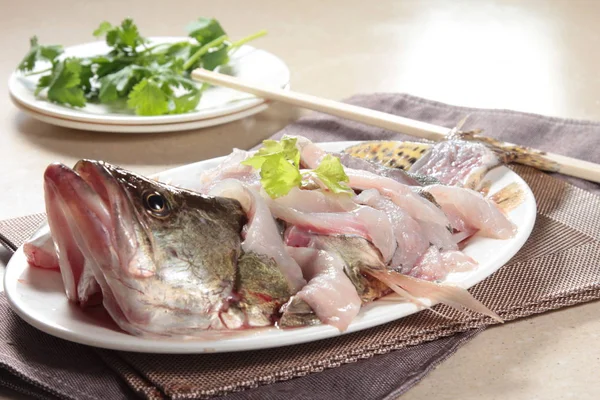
149, 244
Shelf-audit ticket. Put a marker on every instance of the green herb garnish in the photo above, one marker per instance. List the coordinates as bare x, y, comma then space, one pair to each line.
147, 79
38, 53
331, 172
279, 165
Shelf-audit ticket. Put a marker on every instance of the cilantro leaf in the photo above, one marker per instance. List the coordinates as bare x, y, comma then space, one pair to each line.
186, 102
63, 83
331, 172
181, 51
196, 58
148, 98
118, 84
103, 29
86, 75
43, 83
205, 30
174, 66
213, 59
184, 94
286, 146
108, 65
124, 38
279, 164
38, 53
278, 176
129, 34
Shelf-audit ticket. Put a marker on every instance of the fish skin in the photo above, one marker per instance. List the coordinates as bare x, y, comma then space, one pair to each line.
359, 255
421, 161
396, 174
356, 252
296, 313
169, 273
262, 287
405, 154
391, 154
458, 162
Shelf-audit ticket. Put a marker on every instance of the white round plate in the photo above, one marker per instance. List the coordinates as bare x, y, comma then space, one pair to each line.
37, 295
157, 128
247, 63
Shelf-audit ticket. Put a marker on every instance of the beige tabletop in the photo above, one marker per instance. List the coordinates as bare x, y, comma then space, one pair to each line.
534, 56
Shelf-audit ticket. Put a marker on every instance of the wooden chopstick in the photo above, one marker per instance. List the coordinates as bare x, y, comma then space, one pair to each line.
558, 163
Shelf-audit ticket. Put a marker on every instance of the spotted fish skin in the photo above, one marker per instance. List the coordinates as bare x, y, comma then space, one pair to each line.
403, 155
453, 161
392, 154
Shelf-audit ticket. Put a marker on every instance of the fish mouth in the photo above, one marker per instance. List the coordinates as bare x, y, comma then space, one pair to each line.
96, 209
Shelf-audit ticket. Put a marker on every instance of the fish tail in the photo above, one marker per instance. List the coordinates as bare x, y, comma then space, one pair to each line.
510, 153
414, 289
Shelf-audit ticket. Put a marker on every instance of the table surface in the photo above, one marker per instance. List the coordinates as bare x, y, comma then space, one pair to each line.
534, 56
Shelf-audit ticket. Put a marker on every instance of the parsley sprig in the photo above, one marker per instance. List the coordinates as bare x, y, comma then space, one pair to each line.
279, 165
147, 79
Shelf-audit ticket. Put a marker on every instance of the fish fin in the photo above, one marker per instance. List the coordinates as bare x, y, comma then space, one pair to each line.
456, 131
509, 197
453, 296
403, 293
510, 153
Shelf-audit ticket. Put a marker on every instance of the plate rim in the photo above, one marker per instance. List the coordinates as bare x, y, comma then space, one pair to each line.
126, 119
144, 129
309, 334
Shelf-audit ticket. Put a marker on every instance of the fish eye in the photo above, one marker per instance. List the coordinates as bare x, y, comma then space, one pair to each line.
156, 204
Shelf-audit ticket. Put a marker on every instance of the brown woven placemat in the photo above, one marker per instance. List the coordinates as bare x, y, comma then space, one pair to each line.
558, 266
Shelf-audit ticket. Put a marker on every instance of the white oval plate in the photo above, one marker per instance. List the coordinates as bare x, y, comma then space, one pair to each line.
37, 295
248, 63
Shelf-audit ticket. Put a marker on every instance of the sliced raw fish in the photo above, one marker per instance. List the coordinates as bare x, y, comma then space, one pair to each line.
474, 210
329, 292
230, 168
365, 222
436, 265
398, 175
410, 237
416, 206
316, 201
40, 251
457, 162
261, 234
